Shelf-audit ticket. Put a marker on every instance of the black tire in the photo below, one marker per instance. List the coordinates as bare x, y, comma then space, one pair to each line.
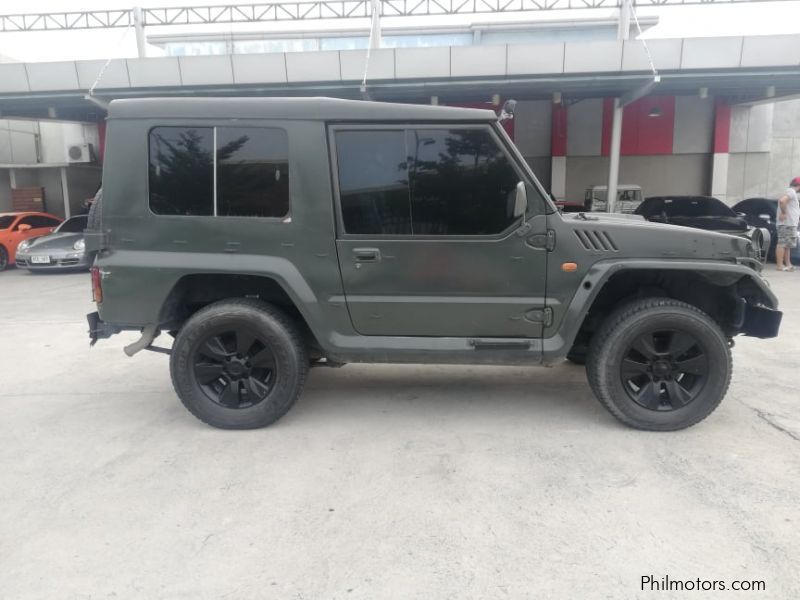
3, 258
95, 219
254, 392
678, 384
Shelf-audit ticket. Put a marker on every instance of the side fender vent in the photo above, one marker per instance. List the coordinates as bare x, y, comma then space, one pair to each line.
595, 241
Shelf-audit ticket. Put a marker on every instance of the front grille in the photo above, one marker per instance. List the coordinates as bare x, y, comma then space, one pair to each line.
595, 241
68, 262
21, 262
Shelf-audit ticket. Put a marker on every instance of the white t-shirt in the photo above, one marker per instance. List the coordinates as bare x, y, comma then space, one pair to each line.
792, 209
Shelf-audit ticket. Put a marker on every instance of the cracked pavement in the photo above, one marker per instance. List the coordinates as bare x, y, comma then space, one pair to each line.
383, 481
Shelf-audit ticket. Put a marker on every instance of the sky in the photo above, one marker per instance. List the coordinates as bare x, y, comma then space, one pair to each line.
740, 18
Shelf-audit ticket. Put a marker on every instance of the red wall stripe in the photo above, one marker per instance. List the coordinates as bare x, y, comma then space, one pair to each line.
722, 127
641, 134
558, 137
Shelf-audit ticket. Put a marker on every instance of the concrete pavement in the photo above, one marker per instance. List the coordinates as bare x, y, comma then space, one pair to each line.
404, 482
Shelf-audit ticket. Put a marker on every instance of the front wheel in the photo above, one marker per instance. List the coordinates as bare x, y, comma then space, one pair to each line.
659, 364
3, 258
239, 364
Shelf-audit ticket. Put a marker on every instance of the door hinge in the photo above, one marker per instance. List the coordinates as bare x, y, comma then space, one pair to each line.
540, 315
543, 240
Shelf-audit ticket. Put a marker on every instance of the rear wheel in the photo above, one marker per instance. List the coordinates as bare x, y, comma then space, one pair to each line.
239, 364
659, 364
94, 220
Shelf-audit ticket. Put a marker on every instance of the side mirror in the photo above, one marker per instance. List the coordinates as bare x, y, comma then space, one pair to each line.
520, 200
508, 110
23, 227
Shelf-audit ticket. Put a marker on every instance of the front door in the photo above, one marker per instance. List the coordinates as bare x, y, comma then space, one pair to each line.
427, 239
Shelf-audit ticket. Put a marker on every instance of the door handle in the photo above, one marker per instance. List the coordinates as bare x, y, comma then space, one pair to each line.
367, 254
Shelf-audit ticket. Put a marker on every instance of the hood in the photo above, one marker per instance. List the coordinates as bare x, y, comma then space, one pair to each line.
54, 241
637, 238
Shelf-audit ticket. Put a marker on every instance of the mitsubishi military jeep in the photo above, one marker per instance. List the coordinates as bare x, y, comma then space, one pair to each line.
269, 236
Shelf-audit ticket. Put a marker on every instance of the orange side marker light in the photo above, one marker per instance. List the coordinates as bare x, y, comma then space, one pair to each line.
569, 267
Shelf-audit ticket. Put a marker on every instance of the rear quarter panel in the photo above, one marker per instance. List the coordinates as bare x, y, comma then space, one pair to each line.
149, 253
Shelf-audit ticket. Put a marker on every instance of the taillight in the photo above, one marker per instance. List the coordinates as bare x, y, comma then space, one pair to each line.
97, 289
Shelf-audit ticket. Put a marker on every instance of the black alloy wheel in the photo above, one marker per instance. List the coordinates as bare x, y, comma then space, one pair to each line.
664, 369
659, 364
235, 368
3, 258
239, 363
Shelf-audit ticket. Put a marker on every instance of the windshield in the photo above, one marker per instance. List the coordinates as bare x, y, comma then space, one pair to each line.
5, 222
691, 206
73, 225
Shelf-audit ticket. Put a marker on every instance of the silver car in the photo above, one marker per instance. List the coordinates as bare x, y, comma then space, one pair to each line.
61, 250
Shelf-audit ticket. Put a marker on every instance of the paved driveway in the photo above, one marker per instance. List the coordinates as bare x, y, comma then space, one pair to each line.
383, 482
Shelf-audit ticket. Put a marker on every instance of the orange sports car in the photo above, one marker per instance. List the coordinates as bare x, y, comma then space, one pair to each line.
18, 226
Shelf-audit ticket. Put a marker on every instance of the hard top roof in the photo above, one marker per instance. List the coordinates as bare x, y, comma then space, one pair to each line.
324, 109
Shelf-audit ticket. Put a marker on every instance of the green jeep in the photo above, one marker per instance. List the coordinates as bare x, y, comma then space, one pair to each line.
268, 236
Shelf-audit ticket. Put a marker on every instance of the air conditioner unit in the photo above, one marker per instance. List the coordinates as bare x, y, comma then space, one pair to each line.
79, 153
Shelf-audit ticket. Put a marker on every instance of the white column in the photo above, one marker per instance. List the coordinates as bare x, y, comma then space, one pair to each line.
138, 24
65, 191
624, 29
719, 176
558, 177
375, 33
613, 162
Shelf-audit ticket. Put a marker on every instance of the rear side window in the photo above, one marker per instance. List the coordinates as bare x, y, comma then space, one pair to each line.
219, 171
252, 172
424, 182
182, 170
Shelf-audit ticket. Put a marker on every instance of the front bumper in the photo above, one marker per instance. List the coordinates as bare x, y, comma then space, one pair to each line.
58, 261
760, 321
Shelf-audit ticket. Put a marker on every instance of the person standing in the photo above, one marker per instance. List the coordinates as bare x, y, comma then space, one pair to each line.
788, 218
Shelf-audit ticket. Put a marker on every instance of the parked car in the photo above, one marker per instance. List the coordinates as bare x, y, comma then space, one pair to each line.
270, 235
762, 212
16, 227
703, 212
62, 250
629, 196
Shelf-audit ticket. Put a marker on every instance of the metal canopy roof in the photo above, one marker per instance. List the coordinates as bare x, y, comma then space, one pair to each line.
742, 69
304, 10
